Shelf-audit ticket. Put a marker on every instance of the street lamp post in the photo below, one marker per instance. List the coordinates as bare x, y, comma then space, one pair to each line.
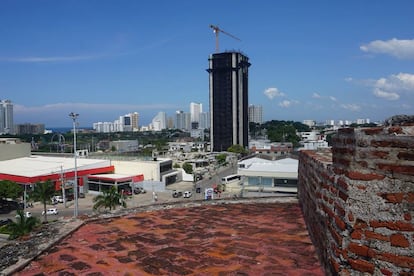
74, 116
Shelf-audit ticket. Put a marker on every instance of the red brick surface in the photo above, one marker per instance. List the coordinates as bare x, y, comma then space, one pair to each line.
231, 239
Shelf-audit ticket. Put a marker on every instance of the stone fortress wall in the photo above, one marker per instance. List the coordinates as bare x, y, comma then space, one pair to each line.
358, 199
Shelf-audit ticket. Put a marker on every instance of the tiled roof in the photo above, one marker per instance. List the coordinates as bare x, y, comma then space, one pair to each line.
212, 239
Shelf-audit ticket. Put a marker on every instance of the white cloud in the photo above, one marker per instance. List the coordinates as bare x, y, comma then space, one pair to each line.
351, 107
391, 96
406, 80
392, 86
49, 59
288, 103
403, 49
316, 95
273, 92
285, 103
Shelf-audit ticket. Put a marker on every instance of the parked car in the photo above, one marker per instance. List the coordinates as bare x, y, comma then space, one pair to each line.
51, 211
26, 214
5, 222
176, 194
187, 194
126, 192
139, 190
57, 199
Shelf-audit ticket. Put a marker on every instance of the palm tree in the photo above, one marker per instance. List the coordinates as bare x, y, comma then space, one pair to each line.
43, 192
110, 198
22, 226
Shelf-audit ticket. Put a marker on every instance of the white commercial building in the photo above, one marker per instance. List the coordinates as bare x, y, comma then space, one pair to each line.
264, 175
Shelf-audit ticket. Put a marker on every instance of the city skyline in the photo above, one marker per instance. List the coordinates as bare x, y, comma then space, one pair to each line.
311, 60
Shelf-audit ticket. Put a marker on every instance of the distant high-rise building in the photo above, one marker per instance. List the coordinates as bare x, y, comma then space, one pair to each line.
170, 122
181, 119
195, 111
6, 117
255, 114
135, 121
204, 120
30, 129
363, 121
228, 74
309, 123
126, 122
159, 122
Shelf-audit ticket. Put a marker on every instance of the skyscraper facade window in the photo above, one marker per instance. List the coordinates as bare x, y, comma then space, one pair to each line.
228, 80
255, 114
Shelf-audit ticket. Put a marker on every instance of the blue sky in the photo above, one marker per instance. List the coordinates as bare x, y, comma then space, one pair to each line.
320, 60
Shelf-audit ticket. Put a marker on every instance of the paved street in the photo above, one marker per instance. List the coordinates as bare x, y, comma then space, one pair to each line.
86, 204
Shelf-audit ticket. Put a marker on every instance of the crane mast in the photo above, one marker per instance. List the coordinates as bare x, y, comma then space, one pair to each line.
216, 31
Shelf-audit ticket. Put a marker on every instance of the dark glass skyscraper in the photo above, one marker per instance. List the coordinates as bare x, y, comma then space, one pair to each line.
228, 74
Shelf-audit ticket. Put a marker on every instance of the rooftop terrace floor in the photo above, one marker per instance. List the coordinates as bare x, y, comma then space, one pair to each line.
225, 239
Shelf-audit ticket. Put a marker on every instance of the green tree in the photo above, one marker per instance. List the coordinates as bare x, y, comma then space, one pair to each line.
43, 192
221, 158
237, 149
10, 189
284, 131
254, 129
109, 199
22, 226
188, 168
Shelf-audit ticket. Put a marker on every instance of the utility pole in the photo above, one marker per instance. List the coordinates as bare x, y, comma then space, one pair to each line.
74, 116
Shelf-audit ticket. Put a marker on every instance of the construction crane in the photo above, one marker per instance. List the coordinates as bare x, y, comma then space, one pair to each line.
216, 30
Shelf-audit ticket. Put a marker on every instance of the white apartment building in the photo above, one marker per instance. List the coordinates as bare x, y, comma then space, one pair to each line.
309, 136
159, 122
127, 122
195, 110
314, 145
204, 120
255, 114
6, 117
182, 120
363, 121
309, 123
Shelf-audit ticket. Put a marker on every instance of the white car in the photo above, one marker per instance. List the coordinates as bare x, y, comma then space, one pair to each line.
187, 194
27, 215
51, 211
57, 199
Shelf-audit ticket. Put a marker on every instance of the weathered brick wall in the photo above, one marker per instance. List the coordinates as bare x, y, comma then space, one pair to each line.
358, 201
